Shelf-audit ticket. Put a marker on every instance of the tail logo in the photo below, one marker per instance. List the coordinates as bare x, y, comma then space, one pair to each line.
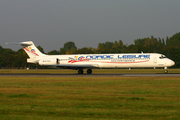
29, 49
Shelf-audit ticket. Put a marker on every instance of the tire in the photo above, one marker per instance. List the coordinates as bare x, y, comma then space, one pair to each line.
89, 71
80, 71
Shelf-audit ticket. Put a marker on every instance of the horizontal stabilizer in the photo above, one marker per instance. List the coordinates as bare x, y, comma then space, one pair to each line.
25, 43
13, 43
30, 49
21, 43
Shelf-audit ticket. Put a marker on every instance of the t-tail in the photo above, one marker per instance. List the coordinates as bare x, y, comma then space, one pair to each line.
32, 51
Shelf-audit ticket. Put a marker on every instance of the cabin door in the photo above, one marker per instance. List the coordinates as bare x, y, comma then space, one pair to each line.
155, 60
57, 61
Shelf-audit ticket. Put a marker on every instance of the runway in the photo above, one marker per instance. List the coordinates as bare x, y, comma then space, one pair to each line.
91, 75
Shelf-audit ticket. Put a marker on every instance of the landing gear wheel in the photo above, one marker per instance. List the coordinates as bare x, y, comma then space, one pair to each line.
165, 70
80, 71
89, 71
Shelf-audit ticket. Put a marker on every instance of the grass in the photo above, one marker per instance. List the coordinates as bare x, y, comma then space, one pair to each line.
52, 98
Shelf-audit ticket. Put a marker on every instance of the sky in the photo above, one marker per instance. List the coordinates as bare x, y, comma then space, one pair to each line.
51, 23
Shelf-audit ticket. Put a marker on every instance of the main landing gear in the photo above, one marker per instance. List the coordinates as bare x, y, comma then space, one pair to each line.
89, 71
80, 71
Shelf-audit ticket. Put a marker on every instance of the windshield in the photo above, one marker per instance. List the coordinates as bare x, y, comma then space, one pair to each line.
162, 57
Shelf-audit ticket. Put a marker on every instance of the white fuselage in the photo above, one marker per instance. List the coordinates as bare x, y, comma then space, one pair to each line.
131, 60
89, 61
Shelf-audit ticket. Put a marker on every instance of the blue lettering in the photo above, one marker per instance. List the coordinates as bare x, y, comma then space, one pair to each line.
134, 56
99, 56
119, 56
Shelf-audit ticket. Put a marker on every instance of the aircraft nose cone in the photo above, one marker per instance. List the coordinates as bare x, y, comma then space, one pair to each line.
172, 63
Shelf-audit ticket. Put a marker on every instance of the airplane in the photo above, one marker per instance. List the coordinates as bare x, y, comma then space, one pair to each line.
92, 61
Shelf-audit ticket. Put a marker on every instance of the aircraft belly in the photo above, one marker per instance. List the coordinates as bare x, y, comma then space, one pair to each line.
109, 64
84, 65
124, 64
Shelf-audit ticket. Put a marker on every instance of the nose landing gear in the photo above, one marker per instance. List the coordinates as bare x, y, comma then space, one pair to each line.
166, 71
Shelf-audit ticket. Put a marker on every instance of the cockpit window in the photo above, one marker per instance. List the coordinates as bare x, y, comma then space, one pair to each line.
162, 57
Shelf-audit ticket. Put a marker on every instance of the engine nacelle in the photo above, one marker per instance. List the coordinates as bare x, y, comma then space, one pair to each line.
49, 62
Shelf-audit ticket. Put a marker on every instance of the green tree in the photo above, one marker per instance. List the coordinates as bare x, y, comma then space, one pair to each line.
105, 47
53, 52
62, 51
40, 49
140, 42
174, 40
8, 58
118, 47
69, 45
86, 50
69, 48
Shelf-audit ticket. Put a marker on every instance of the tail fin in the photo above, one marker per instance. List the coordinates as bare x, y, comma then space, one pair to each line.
32, 51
